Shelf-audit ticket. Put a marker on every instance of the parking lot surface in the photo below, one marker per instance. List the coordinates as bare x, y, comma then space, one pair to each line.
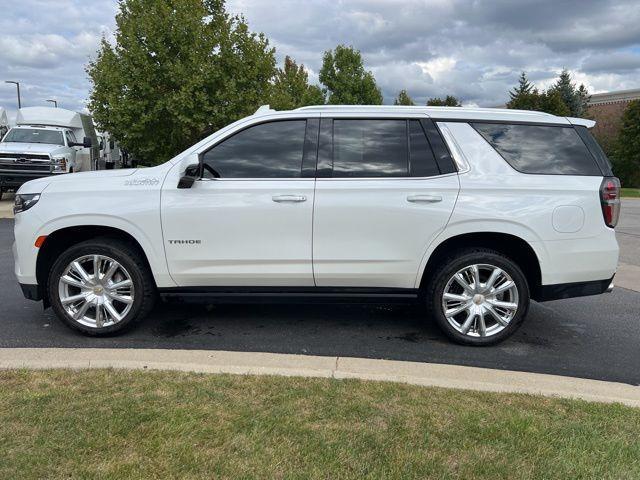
591, 337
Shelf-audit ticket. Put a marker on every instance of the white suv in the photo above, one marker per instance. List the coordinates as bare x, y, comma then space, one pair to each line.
470, 211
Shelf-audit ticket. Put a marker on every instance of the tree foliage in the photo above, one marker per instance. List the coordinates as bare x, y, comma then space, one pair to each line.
403, 98
179, 70
554, 100
291, 88
626, 157
345, 79
449, 101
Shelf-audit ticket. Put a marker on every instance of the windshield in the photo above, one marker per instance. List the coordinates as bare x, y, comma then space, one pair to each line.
34, 135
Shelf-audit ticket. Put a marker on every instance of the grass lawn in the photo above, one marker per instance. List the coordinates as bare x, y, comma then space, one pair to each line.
630, 192
118, 424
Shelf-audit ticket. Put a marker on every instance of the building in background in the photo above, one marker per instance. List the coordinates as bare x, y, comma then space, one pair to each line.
607, 109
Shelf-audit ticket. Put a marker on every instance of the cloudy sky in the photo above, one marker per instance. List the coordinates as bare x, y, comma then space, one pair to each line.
473, 49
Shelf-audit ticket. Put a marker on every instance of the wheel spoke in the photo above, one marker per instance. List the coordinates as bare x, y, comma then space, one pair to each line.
121, 298
455, 297
71, 281
456, 310
493, 277
503, 287
122, 284
497, 316
81, 311
73, 298
476, 276
99, 316
482, 326
109, 273
463, 282
505, 305
115, 316
96, 267
82, 272
467, 323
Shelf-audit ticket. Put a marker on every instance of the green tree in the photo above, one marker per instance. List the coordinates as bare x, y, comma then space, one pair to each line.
574, 98
449, 101
291, 88
345, 79
403, 98
551, 102
524, 88
626, 157
178, 70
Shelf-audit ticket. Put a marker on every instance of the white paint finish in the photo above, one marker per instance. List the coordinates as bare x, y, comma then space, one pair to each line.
247, 238
568, 219
496, 198
128, 200
368, 234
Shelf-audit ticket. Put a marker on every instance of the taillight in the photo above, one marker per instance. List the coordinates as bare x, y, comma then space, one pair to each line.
610, 200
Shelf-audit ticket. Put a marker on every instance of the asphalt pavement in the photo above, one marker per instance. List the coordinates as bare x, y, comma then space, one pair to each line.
591, 337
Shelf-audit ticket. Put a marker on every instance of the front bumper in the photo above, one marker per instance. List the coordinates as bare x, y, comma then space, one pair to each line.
31, 292
15, 180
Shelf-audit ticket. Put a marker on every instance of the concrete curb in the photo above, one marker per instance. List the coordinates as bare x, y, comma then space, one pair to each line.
245, 363
628, 276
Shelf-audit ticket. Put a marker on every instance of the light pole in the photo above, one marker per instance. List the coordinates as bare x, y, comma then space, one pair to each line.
18, 86
55, 103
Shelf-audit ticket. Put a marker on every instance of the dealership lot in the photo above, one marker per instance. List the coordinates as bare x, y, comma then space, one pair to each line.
593, 337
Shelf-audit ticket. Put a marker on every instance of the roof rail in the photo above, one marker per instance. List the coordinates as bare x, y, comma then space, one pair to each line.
422, 109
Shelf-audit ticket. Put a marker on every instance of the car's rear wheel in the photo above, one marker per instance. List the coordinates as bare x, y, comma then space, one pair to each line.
478, 296
101, 287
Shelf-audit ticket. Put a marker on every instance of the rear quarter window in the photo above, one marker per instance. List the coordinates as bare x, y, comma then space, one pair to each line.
535, 149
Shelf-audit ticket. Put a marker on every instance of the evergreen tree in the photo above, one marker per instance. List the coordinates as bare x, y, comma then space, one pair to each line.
575, 99
449, 101
345, 79
291, 88
403, 98
524, 88
551, 102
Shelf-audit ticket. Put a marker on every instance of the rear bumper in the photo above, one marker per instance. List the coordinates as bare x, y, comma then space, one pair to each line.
576, 289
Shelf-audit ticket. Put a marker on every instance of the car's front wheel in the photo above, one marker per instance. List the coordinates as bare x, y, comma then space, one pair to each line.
478, 296
101, 287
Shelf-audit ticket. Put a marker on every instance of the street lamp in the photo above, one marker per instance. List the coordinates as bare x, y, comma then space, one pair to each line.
55, 103
18, 86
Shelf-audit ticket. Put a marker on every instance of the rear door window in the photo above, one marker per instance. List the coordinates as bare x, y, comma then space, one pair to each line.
547, 150
421, 158
370, 148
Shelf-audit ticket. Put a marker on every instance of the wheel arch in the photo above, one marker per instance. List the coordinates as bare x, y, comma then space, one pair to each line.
59, 240
513, 246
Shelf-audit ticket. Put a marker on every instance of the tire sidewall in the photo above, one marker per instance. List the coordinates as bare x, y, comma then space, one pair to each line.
96, 248
464, 260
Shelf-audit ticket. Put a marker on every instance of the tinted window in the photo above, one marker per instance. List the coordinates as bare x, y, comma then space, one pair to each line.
421, 158
268, 150
540, 149
370, 148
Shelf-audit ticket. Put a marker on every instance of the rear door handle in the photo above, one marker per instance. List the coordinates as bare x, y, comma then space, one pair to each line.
289, 198
424, 198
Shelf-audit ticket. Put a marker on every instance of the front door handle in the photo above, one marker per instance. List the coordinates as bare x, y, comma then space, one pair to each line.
424, 198
289, 198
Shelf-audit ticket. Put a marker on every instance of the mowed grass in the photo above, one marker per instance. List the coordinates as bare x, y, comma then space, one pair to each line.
119, 424
630, 192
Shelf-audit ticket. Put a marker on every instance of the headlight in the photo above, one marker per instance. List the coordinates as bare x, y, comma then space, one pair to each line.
59, 164
24, 201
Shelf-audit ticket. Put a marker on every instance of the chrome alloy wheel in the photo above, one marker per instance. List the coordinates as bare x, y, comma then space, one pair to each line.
480, 300
96, 291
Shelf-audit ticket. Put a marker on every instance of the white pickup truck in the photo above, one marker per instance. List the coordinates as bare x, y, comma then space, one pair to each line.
45, 141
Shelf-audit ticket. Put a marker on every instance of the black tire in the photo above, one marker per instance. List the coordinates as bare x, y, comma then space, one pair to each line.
455, 262
130, 258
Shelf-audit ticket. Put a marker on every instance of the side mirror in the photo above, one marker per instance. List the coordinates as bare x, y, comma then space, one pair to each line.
189, 171
87, 143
